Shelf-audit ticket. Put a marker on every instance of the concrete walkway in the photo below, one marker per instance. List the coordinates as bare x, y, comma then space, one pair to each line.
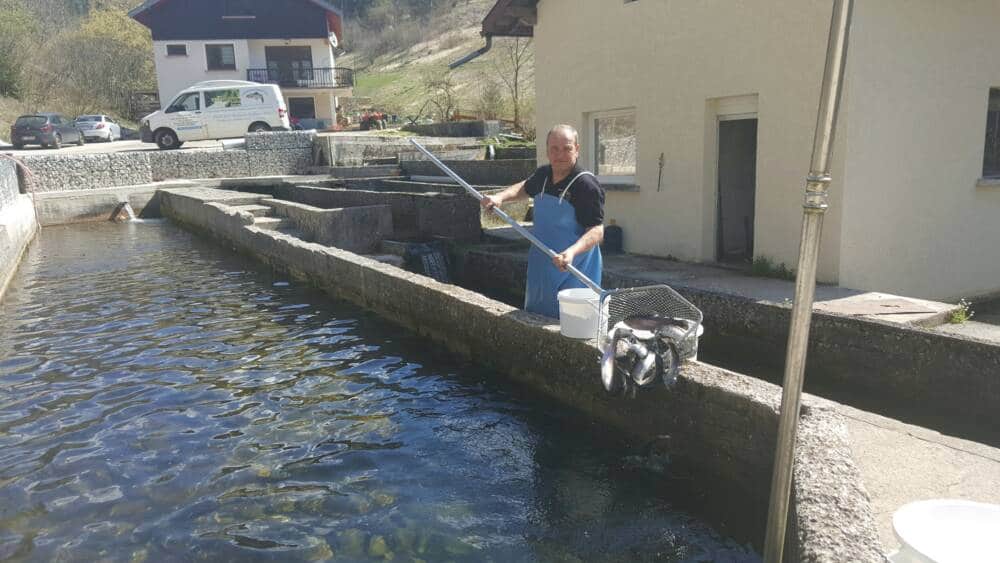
902, 463
733, 281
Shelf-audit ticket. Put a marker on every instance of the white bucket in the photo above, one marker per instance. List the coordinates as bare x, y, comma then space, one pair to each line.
578, 312
946, 531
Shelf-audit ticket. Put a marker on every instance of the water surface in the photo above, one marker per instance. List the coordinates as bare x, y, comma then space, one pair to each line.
164, 400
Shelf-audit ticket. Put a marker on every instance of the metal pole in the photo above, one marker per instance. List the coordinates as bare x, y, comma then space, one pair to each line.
814, 208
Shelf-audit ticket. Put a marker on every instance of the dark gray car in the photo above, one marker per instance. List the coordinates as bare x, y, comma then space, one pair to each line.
49, 130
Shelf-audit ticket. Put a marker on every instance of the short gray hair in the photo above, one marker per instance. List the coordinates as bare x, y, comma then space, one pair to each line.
564, 127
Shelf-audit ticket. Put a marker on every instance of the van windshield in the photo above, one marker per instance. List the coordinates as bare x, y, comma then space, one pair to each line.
30, 121
186, 102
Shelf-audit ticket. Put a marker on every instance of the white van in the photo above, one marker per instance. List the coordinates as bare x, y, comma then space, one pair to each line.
217, 109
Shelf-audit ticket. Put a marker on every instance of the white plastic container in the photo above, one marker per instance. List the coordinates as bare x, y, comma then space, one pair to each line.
947, 531
578, 309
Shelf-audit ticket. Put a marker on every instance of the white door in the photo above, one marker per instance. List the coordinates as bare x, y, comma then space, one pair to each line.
186, 118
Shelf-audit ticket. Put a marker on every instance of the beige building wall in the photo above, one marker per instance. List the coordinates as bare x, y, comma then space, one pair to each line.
679, 64
175, 73
915, 222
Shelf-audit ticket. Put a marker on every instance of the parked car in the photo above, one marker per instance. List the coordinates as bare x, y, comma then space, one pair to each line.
45, 129
99, 128
217, 109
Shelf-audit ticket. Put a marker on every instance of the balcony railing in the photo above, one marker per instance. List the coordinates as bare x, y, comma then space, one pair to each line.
303, 77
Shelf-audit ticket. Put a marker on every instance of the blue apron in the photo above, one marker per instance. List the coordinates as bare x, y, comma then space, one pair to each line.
556, 226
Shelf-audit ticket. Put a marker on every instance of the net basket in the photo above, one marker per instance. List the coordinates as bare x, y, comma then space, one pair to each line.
653, 300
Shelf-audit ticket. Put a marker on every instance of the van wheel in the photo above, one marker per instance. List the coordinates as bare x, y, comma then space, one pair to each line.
259, 127
166, 139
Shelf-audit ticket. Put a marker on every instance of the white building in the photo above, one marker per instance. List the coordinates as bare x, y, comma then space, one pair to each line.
286, 42
727, 93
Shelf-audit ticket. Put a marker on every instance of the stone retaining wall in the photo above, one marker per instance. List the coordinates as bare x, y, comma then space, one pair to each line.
266, 154
717, 426
476, 172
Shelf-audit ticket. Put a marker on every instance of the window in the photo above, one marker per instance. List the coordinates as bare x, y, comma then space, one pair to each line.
222, 99
187, 102
991, 154
177, 50
238, 9
614, 138
220, 57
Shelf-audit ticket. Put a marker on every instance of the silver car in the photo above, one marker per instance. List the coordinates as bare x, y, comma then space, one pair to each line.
99, 128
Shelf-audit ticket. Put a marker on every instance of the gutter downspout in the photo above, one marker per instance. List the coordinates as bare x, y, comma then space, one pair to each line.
478, 53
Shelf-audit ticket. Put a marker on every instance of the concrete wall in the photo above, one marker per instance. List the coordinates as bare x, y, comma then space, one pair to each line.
915, 222
356, 229
355, 150
457, 129
720, 426
905, 372
476, 172
9, 187
274, 153
682, 65
17, 223
414, 215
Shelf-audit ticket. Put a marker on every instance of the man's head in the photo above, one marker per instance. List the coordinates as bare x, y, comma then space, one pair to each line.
562, 145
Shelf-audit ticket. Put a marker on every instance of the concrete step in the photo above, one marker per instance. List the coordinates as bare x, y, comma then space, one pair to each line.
272, 223
255, 209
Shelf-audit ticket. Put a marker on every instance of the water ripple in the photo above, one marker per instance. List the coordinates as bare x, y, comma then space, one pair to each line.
158, 396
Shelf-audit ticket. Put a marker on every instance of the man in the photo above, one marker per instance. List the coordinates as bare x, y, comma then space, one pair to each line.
569, 217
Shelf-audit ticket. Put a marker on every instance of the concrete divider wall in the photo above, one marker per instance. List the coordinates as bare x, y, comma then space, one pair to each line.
357, 229
905, 372
18, 223
476, 172
414, 215
457, 129
718, 425
9, 189
339, 150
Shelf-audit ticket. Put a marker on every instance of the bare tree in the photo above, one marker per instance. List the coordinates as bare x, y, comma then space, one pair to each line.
439, 85
509, 65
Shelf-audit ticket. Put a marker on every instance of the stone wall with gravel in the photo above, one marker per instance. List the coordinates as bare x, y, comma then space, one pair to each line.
265, 154
8, 182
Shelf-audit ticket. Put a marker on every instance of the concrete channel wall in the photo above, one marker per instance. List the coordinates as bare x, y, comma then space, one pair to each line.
476, 172
487, 128
18, 223
265, 154
357, 229
716, 425
900, 371
345, 150
414, 215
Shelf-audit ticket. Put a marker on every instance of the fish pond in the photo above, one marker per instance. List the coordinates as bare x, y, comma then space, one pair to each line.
162, 399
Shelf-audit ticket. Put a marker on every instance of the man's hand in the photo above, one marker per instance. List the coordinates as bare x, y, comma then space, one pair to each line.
489, 202
563, 259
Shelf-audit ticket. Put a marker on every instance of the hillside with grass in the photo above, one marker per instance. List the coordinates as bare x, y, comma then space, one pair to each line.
401, 65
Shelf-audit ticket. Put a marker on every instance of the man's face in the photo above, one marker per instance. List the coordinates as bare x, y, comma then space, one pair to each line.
562, 150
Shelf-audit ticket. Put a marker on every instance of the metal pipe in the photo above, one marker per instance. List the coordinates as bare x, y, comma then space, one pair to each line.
508, 219
814, 208
477, 53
